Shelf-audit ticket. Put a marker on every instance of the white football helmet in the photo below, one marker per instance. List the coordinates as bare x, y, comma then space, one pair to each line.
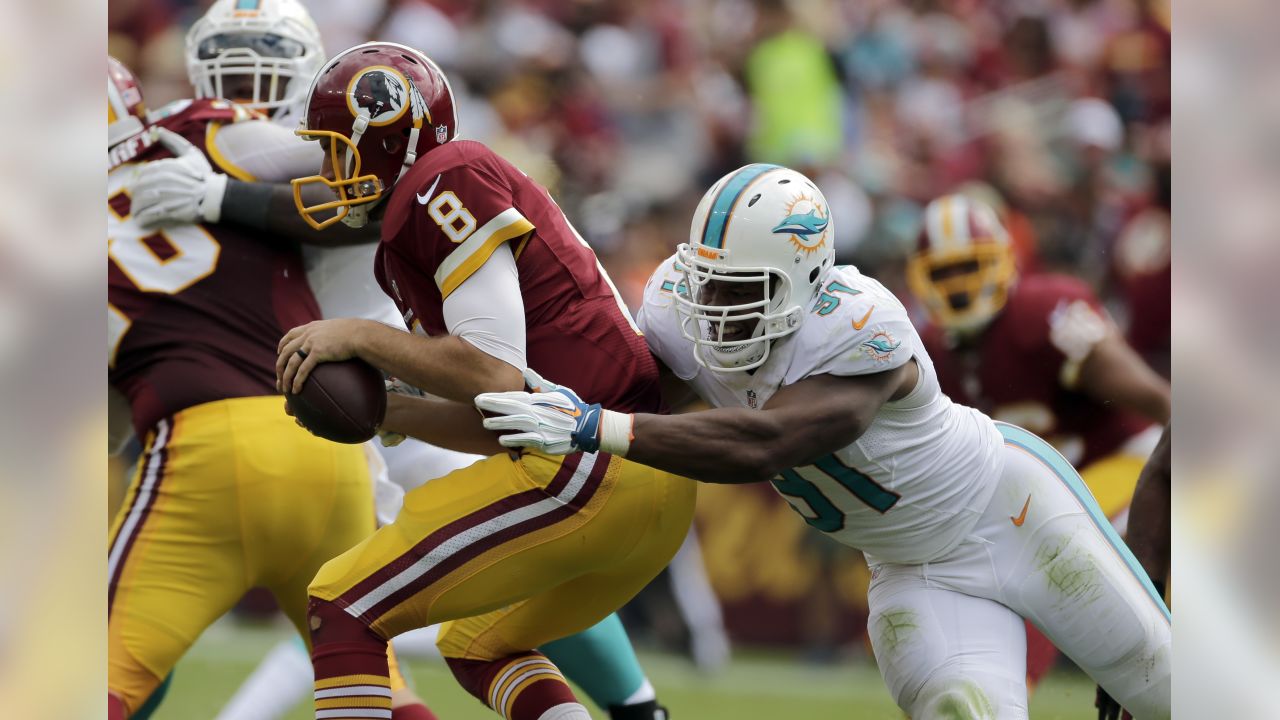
273, 43
764, 225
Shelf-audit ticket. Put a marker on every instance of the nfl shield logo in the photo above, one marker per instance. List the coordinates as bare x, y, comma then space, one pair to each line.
442, 134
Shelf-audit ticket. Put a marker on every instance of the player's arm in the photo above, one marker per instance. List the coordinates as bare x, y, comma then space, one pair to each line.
800, 423
1149, 526
443, 423
483, 352
1113, 372
270, 207
241, 189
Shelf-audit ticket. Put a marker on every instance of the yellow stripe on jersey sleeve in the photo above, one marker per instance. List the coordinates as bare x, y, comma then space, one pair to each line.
475, 250
221, 160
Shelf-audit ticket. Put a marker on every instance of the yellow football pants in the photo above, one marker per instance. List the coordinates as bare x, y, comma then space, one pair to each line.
516, 552
228, 495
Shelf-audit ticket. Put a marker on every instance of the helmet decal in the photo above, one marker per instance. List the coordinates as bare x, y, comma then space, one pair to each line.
805, 225
381, 92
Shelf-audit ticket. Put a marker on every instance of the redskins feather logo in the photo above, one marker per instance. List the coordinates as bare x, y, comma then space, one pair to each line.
381, 92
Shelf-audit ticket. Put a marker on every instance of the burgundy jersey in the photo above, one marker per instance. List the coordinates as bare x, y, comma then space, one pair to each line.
454, 207
194, 312
1021, 369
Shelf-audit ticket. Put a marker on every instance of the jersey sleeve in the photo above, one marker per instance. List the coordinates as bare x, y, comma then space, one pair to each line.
1062, 316
488, 311
864, 330
263, 151
460, 216
658, 320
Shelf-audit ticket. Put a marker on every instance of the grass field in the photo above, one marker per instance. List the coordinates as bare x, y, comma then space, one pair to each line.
753, 686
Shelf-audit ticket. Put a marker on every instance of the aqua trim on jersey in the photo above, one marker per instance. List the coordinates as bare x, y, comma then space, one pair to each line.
248, 4
722, 206
1045, 453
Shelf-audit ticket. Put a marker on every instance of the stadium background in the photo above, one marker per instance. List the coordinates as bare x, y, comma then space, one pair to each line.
1054, 111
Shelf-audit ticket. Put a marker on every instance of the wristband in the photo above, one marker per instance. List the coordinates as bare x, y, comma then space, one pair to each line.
615, 432
215, 187
247, 204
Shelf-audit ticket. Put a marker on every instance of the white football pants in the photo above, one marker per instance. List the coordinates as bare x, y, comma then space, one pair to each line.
948, 635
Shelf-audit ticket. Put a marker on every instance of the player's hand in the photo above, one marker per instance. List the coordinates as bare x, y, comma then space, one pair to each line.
1109, 709
306, 346
180, 190
557, 422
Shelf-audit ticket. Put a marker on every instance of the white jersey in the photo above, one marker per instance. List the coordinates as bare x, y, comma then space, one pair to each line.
341, 277
913, 485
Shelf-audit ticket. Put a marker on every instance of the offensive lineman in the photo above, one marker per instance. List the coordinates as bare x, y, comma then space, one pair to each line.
264, 58
822, 386
513, 551
229, 494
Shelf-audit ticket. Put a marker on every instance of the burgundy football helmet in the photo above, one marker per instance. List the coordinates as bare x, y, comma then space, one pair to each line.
381, 106
126, 113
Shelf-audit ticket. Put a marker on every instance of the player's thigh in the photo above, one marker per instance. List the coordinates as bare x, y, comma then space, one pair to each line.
305, 501
943, 653
577, 604
500, 531
1067, 571
174, 557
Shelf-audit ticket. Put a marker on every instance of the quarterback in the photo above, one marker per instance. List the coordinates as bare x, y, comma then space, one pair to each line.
229, 494
263, 58
513, 552
820, 385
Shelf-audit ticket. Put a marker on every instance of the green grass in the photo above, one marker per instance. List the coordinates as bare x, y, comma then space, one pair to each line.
754, 686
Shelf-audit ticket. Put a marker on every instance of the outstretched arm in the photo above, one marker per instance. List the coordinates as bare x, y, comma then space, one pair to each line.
726, 445
270, 207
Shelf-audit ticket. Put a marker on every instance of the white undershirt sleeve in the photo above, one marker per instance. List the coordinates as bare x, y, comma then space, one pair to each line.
487, 309
267, 151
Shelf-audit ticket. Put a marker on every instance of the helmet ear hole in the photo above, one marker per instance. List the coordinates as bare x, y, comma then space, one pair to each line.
391, 144
813, 274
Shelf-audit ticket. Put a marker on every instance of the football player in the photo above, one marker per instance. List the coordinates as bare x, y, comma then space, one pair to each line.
229, 494
1038, 351
821, 386
513, 551
264, 57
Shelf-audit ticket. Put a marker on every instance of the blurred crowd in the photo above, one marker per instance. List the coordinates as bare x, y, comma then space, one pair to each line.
1056, 112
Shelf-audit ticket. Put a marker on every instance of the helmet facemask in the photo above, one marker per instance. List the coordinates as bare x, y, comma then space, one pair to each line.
965, 289
355, 194
715, 314
260, 70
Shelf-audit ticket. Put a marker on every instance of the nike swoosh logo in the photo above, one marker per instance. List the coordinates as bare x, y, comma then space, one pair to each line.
859, 324
1017, 521
424, 198
576, 412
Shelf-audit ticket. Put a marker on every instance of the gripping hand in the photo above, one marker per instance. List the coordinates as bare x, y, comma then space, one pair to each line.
179, 190
554, 420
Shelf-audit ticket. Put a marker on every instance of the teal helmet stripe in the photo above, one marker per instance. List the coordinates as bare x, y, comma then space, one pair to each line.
713, 230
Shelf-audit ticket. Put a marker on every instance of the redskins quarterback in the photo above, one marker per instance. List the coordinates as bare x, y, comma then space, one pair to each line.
515, 550
229, 494
1038, 351
262, 55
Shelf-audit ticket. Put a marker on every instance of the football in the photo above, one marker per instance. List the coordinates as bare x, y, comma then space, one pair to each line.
341, 401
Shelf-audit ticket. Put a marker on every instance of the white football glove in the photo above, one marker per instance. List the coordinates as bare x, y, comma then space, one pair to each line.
179, 190
555, 420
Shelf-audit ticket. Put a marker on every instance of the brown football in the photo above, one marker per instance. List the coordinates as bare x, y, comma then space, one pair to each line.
341, 401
